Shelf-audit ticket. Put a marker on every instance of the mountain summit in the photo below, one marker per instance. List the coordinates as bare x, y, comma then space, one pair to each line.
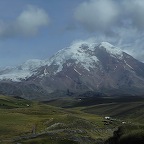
79, 68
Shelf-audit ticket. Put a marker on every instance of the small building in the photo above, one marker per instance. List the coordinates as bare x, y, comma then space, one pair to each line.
123, 122
107, 118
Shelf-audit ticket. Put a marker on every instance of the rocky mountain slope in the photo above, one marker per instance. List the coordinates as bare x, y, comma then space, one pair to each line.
79, 68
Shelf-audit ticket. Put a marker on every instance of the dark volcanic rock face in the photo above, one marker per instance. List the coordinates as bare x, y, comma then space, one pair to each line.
82, 67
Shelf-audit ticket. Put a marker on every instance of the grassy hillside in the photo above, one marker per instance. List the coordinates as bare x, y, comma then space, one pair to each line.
31, 122
11, 102
132, 111
34, 122
125, 108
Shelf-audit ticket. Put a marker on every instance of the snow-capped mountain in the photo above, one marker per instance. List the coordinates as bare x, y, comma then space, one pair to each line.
82, 53
83, 66
22, 71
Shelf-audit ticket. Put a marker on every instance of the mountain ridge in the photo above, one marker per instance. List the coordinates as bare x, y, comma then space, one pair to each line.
32, 64
81, 67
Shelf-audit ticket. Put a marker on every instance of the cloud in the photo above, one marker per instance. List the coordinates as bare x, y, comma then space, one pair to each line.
105, 15
134, 10
27, 23
97, 14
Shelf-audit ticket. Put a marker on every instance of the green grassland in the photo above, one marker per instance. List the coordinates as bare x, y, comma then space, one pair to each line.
130, 113
129, 110
66, 121
34, 122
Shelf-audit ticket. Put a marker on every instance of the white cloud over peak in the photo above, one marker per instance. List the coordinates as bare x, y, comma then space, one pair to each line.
119, 21
27, 23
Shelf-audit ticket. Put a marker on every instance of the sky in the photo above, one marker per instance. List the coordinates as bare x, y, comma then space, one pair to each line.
36, 29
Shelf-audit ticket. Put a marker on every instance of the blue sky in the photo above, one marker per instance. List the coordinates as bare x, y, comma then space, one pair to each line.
36, 29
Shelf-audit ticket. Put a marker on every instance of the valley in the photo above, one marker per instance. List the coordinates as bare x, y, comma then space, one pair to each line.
71, 72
